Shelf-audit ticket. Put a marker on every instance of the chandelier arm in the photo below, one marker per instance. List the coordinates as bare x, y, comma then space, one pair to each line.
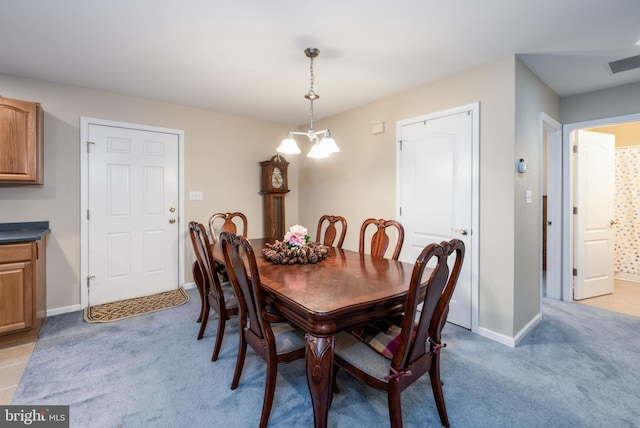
320, 148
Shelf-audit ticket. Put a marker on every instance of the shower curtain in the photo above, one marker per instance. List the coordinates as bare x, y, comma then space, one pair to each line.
627, 211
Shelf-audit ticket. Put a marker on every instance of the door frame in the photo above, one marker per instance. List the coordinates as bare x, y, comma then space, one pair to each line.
567, 193
85, 122
552, 130
474, 259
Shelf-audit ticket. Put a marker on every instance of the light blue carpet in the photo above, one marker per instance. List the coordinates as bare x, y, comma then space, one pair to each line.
579, 368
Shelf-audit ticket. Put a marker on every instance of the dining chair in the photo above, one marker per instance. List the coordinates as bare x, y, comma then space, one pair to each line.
392, 354
380, 238
227, 222
216, 295
275, 340
330, 230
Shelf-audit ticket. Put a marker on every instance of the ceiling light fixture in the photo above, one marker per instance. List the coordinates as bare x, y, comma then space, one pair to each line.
321, 148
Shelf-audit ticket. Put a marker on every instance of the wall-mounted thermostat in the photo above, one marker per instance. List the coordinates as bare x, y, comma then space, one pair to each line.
522, 166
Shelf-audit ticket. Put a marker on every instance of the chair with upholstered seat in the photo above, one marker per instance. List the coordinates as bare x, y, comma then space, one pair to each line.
380, 238
227, 222
268, 334
330, 230
214, 294
393, 354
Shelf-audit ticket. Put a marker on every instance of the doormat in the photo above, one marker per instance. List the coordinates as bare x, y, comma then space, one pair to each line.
133, 307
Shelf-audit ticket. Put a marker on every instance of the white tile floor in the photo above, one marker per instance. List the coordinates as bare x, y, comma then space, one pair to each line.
12, 364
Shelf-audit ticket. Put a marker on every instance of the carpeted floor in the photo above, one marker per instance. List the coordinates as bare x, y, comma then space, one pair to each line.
578, 368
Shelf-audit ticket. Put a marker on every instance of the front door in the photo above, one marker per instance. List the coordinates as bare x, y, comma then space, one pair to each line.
594, 199
437, 191
133, 222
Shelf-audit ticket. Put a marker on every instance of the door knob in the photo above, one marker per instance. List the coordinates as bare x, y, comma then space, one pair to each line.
462, 231
172, 210
172, 220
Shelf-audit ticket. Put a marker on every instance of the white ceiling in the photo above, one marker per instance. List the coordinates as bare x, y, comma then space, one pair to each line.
246, 57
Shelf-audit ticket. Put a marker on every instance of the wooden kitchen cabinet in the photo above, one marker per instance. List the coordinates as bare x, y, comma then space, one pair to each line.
21, 142
22, 291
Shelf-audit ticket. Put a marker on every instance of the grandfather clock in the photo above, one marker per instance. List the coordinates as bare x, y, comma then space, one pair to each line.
274, 186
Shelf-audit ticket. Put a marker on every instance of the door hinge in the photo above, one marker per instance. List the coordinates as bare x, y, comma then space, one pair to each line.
89, 143
88, 215
575, 272
89, 278
575, 149
400, 211
400, 141
575, 210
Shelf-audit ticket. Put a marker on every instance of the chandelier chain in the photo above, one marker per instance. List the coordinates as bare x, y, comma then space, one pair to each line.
312, 77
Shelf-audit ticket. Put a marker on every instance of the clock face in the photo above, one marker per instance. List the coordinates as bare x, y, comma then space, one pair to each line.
277, 180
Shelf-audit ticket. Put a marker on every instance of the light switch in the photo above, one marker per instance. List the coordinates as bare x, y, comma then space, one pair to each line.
195, 196
528, 196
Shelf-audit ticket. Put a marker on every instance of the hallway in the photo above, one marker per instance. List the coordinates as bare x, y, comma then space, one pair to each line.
625, 299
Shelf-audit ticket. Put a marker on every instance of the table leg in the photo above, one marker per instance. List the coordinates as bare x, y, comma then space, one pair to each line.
319, 360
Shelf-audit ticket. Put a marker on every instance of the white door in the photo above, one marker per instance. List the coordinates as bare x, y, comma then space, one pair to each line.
594, 199
133, 223
436, 193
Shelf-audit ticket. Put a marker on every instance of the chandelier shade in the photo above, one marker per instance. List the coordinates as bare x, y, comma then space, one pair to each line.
322, 147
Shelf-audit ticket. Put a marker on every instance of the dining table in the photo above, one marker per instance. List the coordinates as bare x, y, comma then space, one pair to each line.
344, 290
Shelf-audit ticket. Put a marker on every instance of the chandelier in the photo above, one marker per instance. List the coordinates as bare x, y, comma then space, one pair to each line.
321, 148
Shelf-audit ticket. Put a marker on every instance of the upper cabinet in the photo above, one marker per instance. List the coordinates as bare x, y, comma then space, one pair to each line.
21, 142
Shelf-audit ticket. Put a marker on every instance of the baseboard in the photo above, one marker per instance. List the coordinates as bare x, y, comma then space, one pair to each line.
507, 340
496, 337
627, 276
527, 328
73, 308
63, 310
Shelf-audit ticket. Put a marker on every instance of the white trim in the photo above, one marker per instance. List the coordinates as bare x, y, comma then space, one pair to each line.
63, 310
552, 129
567, 193
631, 277
474, 108
84, 197
75, 308
511, 341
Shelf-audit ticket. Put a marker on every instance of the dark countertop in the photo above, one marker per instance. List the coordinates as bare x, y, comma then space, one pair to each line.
11, 233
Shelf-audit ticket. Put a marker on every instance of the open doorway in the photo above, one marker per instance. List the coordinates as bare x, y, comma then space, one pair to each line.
625, 297
551, 207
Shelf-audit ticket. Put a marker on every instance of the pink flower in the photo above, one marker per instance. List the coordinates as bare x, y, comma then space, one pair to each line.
296, 236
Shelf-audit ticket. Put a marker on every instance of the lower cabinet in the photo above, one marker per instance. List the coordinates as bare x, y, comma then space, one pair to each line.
22, 291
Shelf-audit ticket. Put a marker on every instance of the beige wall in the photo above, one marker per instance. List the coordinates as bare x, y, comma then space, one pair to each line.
613, 102
361, 181
532, 97
627, 134
221, 160
358, 183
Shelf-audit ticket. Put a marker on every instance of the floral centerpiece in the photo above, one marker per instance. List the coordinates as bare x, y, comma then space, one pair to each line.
296, 247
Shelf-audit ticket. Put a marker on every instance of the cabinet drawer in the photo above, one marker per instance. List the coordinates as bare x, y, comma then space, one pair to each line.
15, 252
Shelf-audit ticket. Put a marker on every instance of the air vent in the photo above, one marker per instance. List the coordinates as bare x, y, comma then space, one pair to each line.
625, 64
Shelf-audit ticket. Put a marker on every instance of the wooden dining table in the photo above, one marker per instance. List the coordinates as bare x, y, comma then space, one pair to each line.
342, 291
